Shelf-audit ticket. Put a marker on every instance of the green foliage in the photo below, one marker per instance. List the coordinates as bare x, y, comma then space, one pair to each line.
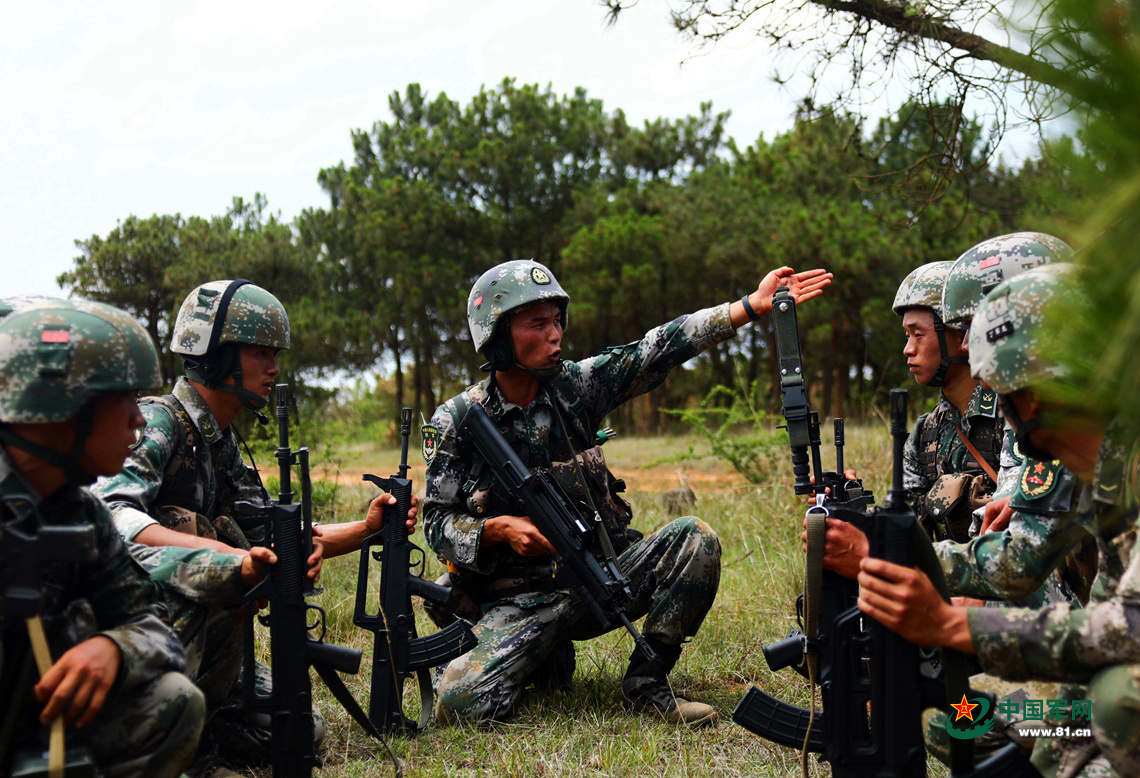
737, 430
642, 225
1101, 331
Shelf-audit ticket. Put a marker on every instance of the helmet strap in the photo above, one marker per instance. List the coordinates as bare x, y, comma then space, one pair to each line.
69, 463
199, 371
1022, 429
944, 352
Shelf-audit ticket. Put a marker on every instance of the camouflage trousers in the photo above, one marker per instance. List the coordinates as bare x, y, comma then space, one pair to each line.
210, 627
674, 574
150, 733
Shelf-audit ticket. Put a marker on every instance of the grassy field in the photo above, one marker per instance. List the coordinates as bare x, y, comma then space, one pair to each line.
587, 732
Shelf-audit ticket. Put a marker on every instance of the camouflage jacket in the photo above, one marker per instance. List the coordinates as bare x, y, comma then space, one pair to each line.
934, 450
453, 521
110, 596
1066, 642
183, 461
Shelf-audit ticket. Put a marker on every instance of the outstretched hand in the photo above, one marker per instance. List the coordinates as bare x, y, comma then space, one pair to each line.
802, 286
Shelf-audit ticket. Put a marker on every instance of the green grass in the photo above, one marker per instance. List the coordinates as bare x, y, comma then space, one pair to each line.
588, 733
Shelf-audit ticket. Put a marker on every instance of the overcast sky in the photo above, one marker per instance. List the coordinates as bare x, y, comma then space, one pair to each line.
118, 108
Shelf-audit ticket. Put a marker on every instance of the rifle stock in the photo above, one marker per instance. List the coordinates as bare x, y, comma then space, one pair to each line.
398, 652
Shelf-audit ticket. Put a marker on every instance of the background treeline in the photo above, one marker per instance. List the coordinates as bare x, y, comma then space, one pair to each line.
641, 224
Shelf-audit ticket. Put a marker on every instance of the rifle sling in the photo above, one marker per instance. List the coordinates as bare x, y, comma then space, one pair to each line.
43, 663
813, 586
599, 525
977, 457
349, 703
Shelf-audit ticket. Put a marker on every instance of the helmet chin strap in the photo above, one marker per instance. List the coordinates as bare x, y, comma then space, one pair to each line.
947, 360
252, 400
1022, 429
69, 463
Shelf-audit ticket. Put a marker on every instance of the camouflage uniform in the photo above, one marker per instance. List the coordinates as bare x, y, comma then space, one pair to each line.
187, 474
1095, 650
185, 469
940, 473
150, 722
674, 572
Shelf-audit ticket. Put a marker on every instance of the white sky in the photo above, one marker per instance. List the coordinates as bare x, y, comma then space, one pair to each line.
109, 109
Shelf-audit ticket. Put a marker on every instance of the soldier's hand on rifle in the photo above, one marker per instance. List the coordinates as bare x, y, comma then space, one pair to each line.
848, 474
375, 518
255, 565
903, 600
79, 681
844, 547
332, 540
997, 515
519, 532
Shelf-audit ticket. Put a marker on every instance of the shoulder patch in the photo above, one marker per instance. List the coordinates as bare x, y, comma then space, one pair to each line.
1039, 478
429, 441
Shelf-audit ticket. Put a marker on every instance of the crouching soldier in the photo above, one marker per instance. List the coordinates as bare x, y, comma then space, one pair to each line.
110, 679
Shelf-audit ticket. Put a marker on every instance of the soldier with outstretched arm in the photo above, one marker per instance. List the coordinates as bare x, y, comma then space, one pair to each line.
549, 410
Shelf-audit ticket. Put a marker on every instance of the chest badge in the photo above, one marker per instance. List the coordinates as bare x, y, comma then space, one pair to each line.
429, 441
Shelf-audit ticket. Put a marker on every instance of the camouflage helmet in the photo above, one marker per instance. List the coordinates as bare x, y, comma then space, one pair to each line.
57, 355
989, 263
922, 288
506, 287
223, 312
1008, 345
18, 302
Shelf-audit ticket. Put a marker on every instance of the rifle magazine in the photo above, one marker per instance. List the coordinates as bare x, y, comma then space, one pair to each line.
772, 719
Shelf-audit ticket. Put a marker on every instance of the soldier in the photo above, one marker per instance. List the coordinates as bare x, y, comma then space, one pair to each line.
549, 410
950, 458
1095, 649
185, 486
69, 377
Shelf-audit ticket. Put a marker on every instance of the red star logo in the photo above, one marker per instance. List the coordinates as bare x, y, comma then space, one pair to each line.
965, 709
1039, 468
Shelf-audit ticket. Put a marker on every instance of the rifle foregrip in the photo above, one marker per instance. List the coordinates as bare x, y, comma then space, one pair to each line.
428, 590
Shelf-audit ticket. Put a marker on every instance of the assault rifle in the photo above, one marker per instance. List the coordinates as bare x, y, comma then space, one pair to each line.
397, 651
27, 549
295, 643
599, 585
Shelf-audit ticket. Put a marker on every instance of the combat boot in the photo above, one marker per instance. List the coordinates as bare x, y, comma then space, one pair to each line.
646, 687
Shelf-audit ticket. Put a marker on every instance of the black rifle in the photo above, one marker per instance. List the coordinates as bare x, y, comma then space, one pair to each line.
28, 550
599, 584
397, 651
295, 644
877, 683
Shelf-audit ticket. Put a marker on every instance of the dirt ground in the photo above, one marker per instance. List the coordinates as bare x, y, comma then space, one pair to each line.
654, 479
